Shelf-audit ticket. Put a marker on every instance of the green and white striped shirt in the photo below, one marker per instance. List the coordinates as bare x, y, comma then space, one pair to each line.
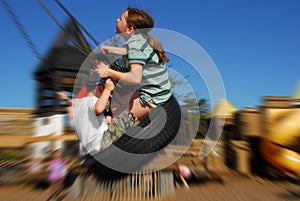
155, 86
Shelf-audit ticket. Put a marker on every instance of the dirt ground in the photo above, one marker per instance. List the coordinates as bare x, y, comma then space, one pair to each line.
234, 188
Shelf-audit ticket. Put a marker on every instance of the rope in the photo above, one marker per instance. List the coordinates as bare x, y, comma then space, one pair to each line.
62, 27
21, 29
27, 37
91, 37
77, 22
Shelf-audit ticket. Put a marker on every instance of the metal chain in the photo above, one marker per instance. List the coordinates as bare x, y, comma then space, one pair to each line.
21, 29
111, 57
77, 22
62, 27
27, 37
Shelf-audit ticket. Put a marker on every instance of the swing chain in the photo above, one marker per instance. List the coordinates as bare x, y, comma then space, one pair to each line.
21, 29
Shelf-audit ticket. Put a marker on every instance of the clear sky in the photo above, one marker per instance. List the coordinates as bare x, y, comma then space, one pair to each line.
254, 44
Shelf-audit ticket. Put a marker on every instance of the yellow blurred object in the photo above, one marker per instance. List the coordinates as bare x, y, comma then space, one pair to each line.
283, 134
296, 96
284, 159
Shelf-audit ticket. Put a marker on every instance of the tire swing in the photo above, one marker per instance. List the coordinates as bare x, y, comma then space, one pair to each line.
136, 143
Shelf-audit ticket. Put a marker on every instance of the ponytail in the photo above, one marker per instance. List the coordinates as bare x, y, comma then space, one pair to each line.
157, 47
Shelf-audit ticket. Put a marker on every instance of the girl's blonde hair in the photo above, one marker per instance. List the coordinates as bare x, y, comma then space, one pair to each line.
142, 22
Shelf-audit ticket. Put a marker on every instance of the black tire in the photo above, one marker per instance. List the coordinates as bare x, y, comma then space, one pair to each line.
137, 145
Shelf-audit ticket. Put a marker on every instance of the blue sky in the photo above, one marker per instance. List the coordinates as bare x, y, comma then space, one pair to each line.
255, 45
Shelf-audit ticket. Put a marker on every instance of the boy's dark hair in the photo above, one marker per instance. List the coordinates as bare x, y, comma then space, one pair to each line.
94, 81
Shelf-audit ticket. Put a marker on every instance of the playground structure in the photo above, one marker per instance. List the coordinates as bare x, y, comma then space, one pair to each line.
272, 133
281, 146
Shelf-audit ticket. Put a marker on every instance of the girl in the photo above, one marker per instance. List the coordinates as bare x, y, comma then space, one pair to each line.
146, 60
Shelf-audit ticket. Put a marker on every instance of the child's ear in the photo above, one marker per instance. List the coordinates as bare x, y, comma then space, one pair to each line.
129, 30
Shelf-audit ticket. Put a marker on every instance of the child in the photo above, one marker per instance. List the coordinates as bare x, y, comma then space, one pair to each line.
146, 60
57, 172
86, 114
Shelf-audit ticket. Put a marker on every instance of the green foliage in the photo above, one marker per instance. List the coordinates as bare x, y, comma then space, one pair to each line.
9, 156
199, 108
203, 121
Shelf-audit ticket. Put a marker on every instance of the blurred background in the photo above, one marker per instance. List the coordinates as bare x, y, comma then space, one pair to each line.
255, 47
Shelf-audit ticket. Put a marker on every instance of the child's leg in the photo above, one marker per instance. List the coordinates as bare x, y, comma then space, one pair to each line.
124, 121
138, 109
117, 128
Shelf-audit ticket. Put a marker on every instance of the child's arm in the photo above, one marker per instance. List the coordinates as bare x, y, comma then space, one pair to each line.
109, 119
113, 50
101, 103
134, 76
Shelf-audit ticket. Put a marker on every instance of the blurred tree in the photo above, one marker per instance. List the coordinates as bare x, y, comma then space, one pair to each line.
198, 108
203, 120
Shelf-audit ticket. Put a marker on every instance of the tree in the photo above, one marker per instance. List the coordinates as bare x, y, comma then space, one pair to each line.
203, 121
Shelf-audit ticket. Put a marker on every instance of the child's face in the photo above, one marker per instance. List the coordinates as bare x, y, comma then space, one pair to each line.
121, 26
